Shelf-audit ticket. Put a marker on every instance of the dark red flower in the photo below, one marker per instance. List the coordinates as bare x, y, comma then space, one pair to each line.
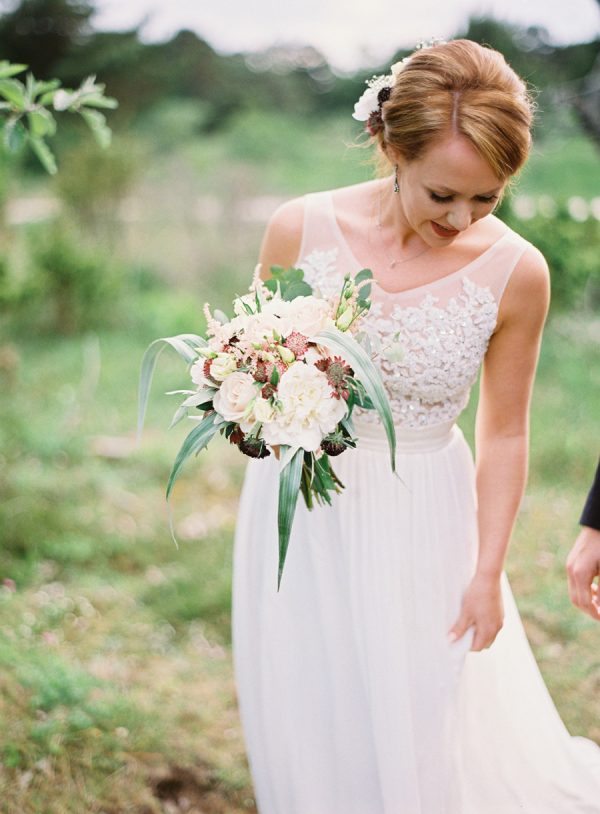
336, 370
254, 447
237, 435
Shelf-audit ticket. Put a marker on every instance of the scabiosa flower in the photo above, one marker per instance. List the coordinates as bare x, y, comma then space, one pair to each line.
333, 444
297, 343
253, 447
268, 390
336, 371
260, 372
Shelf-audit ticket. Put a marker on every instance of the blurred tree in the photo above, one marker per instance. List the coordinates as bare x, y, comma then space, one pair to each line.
587, 102
41, 33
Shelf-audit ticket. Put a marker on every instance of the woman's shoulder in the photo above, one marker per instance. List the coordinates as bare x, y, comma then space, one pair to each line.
528, 288
282, 240
283, 236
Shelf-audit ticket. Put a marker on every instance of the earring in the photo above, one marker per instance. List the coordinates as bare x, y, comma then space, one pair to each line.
396, 187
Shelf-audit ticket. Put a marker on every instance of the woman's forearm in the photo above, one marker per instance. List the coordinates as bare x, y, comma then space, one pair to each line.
501, 463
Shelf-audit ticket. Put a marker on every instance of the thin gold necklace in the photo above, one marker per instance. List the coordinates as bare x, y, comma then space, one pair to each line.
392, 263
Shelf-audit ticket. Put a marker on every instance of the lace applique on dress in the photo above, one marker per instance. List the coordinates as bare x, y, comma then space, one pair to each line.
320, 271
440, 348
429, 352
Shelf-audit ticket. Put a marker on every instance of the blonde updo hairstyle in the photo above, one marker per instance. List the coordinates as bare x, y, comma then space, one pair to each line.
458, 87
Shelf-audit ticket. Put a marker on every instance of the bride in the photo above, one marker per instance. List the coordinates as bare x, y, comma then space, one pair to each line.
391, 674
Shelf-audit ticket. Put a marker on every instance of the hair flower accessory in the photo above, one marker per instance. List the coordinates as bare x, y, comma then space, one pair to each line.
379, 89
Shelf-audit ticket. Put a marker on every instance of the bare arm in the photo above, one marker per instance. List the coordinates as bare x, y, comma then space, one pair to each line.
283, 236
502, 437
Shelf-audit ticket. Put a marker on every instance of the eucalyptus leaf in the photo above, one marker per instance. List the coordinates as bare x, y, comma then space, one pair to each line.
184, 345
194, 442
289, 489
297, 288
364, 274
366, 372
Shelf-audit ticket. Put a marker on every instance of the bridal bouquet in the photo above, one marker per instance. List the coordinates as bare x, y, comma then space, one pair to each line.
285, 371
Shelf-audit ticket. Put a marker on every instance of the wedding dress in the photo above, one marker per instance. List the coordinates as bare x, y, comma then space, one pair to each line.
351, 698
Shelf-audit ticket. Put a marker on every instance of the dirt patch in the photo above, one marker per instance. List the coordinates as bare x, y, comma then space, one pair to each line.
197, 790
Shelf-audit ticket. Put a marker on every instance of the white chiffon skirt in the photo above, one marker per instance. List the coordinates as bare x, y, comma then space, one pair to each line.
351, 698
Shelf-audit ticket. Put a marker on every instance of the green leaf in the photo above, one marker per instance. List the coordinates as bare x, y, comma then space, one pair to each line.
10, 69
365, 274
184, 344
290, 282
44, 153
45, 88
97, 123
15, 134
13, 91
106, 102
366, 372
194, 442
289, 489
41, 123
297, 288
48, 98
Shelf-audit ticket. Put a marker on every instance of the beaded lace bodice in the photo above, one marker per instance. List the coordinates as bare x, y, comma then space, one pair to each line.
428, 341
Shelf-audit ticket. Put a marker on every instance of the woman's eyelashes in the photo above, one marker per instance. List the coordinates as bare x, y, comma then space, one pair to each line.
447, 198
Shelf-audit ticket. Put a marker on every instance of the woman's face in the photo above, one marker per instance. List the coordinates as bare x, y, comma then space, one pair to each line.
446, 190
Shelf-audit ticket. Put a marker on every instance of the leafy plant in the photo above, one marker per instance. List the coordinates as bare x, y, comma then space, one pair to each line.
27, 120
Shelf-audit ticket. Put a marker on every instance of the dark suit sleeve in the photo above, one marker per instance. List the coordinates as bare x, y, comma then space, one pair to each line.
591, 512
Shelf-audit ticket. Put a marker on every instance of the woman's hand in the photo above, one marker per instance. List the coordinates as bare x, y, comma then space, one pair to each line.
483, 609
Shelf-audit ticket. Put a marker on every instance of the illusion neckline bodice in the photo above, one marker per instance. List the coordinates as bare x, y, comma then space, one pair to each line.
467, 267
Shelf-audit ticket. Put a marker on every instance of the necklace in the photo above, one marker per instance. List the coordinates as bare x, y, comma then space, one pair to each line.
392, 263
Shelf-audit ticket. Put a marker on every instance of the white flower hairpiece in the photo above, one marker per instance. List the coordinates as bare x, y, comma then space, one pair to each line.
379, 87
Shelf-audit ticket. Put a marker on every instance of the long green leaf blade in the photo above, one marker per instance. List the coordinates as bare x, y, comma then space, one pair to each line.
367, 373
194, 442
184, 344
289, 486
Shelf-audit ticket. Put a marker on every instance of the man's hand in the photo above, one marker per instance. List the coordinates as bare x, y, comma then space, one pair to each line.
583, 567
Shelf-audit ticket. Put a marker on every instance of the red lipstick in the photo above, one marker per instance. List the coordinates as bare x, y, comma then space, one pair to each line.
441, 231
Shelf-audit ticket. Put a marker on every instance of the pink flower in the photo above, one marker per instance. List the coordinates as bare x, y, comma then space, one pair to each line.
10, 584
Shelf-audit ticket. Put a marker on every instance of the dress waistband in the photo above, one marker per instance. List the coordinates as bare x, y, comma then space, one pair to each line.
408, 439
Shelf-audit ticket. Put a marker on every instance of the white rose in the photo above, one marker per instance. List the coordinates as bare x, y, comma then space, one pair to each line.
263, 410
222, 366
308, 411
235, 396
309, 315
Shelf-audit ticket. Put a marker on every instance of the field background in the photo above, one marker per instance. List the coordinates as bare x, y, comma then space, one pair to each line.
117, 690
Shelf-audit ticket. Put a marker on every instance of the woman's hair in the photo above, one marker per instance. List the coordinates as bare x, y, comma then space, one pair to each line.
459, 87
